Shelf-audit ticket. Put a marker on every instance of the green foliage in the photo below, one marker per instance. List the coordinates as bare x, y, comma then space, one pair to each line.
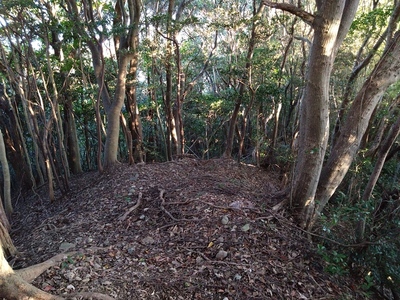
368, 282
203, 120
336, 261
376, 258
371, 20
380, 262
67, 262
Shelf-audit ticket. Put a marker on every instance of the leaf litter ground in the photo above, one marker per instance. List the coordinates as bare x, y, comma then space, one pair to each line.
187, 229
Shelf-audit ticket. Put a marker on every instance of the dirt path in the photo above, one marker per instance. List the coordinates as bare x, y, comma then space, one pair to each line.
201, 230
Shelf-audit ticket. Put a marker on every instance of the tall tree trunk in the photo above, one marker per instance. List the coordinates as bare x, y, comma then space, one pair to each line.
94, 41
179, 100
6, 177
172, 138
242, 84
385, 73
15, 145
123, 43
71, 139
361, 65
33, 128
331, 24
18, 87
55, 111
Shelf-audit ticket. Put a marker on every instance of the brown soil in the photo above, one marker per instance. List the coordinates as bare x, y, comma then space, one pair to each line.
202, 230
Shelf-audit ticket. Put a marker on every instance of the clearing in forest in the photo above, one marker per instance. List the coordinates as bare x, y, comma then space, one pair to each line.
187, 229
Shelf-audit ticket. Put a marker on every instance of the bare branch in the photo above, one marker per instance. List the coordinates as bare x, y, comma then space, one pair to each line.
302, 14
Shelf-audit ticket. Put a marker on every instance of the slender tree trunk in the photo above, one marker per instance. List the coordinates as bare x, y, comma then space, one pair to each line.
359, 66
88, 146
179, 100
6, 177
172, 136
386, 73
71, 139
128, 138
99, 126
242, 84
135, 124
18, 87
33, 128
381, 158
15, 145
56, 115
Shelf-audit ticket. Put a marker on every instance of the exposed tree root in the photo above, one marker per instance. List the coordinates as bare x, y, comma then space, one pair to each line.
30, 273
136, 206
15, 285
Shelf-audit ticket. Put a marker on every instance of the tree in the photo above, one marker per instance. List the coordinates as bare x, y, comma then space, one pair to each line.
126, 53
385, 73
121, 22
13, 138
330, 24
244, 82
6, 177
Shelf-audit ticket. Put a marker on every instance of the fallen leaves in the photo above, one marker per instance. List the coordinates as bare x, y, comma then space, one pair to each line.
186, 229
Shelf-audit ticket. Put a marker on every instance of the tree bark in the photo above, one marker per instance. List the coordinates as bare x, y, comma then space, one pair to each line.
361, 65
71, 139
16, 286
6, 177
331, 24
385, 73
113, 126
5, 239
135, 124
13, 287
381, 158
15, 145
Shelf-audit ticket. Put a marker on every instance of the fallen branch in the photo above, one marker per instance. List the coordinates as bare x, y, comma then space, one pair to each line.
133, 208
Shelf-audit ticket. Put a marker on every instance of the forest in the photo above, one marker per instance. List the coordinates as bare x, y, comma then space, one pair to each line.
306, 91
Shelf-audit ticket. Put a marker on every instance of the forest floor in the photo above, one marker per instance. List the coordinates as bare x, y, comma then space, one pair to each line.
186, 229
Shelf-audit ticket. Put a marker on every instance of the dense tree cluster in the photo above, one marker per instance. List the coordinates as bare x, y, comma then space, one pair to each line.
307, 87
